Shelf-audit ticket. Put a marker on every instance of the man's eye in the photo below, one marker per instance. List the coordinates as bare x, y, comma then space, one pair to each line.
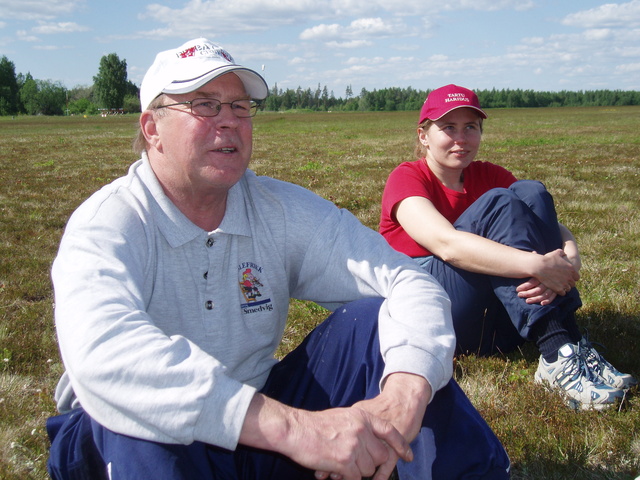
242, 106
211, 105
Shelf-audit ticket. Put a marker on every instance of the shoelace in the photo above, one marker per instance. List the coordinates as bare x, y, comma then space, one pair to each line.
592, 357
578, 365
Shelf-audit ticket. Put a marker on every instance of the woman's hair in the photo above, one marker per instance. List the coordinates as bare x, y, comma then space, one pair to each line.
420, 150
139, 142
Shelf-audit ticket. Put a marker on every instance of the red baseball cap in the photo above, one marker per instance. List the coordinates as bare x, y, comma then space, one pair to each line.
444, 99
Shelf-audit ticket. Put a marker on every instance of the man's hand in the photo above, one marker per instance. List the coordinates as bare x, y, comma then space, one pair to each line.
350, 443
402, 403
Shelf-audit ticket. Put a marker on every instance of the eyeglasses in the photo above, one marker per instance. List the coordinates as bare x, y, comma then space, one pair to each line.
209, 107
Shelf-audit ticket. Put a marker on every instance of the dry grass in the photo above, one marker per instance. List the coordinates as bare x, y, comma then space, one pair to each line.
589, 158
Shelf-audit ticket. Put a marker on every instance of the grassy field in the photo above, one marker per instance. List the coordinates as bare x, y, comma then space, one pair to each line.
589, 158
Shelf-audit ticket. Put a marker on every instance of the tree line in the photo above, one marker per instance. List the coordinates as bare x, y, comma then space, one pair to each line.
410, 99
112, 91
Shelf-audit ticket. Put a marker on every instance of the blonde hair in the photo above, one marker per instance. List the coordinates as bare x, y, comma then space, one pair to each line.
420, 150
140, 143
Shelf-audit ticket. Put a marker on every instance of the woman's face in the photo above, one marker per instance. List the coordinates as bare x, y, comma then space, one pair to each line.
452, 142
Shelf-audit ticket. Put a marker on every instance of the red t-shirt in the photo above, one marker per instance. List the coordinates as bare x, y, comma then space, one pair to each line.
415, 179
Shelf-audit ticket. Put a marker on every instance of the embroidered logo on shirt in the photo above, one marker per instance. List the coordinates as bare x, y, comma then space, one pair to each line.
250, 286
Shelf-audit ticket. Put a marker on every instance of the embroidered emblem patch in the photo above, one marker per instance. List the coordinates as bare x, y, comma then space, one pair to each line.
252, 288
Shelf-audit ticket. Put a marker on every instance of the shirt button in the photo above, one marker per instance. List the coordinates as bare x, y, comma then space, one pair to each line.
210, 242
208, 305
205, 275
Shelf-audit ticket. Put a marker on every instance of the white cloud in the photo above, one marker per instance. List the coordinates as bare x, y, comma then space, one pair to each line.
46, 47
213, 18
349, 44
217, 17
322, 32
59, 27
367, 60
487, 5
24, 36
628, 68
355, 33
537, 41
608, 15
37, 9
298, 61
598, 34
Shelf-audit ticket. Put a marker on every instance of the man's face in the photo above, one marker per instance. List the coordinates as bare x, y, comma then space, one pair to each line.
204, 155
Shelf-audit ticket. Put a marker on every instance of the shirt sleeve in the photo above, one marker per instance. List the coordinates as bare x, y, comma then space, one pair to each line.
409, 179
346, 261
406, 180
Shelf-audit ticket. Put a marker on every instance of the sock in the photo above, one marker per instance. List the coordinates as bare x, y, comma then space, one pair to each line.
551, 333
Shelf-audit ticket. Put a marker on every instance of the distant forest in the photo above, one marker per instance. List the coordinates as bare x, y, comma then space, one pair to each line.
113, 93
397, 99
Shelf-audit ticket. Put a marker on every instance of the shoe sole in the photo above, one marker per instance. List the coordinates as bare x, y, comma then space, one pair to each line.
571, 402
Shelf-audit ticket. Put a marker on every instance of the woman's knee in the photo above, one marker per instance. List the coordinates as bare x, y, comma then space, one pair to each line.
531, 191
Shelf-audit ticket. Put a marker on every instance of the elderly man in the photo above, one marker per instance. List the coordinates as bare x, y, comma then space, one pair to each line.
172, 286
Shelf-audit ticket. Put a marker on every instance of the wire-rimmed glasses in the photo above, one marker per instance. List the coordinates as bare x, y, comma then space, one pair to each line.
210, 107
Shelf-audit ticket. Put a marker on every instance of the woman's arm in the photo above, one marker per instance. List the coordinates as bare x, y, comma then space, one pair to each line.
570, 247
424, 223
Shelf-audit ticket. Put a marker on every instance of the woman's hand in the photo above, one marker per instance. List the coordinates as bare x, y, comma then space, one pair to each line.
555, 272
533, 291
557, 275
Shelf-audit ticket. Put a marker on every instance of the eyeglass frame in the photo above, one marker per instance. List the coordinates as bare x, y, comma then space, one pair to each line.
254, 105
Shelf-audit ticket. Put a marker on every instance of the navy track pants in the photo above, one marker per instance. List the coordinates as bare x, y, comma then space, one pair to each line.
338, 364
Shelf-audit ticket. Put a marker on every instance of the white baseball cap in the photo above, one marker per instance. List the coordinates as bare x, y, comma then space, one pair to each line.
188, 67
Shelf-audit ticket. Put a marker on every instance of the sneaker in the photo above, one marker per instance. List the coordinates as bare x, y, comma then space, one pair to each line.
571, 375
602, 367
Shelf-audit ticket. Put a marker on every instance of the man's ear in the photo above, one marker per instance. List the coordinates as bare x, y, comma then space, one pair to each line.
149, 128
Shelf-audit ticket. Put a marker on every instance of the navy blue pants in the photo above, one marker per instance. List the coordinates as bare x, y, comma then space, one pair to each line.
488, 315
338, 364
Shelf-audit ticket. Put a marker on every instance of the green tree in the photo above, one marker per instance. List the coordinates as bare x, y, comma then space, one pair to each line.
349, 92
9, 90
52, 97
131, 103
110, 85
42, 97
79, 107
81, 92
29, 95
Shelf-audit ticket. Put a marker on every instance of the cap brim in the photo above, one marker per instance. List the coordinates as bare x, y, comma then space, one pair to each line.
254, 84
479, 110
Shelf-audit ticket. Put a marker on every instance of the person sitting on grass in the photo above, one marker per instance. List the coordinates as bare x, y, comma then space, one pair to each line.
496, 246
172, 288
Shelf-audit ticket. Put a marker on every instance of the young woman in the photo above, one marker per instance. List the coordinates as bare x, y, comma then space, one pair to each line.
496, 246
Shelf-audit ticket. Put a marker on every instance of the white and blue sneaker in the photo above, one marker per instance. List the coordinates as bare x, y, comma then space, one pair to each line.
603, 368
570, 374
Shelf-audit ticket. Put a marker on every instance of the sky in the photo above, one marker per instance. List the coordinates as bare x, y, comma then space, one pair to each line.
541, 45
